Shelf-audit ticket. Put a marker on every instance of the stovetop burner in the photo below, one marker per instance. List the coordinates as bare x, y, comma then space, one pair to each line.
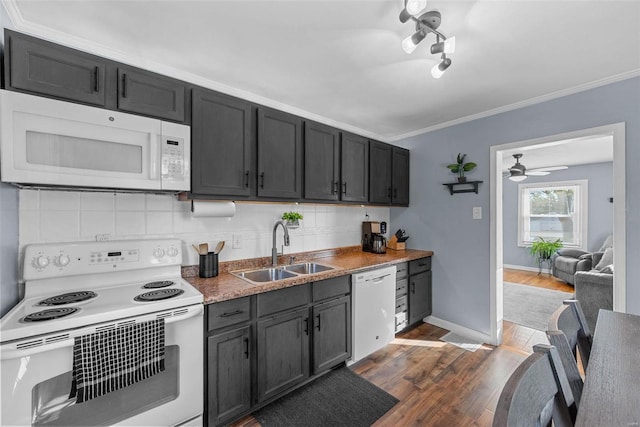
50, 314
68, 298
159, 294
160, 284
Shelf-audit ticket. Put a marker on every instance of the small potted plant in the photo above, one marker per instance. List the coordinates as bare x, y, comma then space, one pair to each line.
292, 218
542, 250
460, 167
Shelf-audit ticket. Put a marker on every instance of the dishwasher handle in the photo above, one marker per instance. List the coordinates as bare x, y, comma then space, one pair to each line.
378, 278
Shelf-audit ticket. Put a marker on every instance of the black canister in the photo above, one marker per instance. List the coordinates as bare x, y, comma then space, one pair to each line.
209, 265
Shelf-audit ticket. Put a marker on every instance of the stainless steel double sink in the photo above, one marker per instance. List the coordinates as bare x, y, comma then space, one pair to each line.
270, 274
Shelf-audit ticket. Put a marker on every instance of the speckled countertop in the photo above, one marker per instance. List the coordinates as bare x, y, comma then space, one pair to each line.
347, 260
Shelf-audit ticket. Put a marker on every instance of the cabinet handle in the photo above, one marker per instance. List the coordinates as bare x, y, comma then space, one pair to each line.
318, 317
124, 85
246, 179
335, 187
413, 287
233, 313
306, 326
344, 187
262, 180
395, 193
246, 348
96, 82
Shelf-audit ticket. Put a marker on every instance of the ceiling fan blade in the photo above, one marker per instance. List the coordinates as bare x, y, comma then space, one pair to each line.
537, 173
550, 169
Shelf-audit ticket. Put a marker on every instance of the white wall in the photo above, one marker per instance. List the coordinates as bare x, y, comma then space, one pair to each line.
61, 216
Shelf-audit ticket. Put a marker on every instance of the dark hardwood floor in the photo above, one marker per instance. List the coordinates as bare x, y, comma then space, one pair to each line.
439, 384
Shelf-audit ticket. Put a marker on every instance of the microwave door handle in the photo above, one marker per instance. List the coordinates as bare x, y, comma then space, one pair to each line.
154, 160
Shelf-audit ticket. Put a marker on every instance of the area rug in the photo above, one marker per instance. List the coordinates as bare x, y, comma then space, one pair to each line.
461, 341
531, 306
339, 398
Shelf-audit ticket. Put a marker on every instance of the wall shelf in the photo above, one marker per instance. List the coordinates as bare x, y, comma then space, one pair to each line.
452, 185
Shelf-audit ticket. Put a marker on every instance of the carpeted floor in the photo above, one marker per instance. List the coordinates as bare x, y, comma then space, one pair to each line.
531, 306
339, 398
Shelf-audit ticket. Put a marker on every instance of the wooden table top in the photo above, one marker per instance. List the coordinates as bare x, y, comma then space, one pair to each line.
611, 395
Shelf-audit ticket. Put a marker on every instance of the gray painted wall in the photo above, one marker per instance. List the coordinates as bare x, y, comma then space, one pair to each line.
600, 213
443, 223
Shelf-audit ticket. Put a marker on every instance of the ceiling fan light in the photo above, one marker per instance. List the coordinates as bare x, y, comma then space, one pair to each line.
518, 178
410, 43
438, 70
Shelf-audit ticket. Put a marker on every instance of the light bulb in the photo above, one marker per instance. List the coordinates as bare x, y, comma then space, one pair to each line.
450, 45
410, 43
415, 6
518, 178
438, 70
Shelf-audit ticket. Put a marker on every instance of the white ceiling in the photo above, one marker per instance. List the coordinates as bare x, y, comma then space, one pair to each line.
340, 62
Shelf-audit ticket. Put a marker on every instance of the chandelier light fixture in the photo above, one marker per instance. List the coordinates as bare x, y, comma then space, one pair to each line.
427, 22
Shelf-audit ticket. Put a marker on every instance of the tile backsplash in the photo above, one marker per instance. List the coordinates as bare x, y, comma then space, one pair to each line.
63, 216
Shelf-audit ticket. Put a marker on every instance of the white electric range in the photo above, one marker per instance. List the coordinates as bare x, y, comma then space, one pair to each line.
76, 289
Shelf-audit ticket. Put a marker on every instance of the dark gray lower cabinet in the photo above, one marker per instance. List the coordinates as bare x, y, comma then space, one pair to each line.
419, 296
229, 374
283, 352
331, 333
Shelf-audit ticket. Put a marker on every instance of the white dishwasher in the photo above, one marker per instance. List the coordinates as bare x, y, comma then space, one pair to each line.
373, 307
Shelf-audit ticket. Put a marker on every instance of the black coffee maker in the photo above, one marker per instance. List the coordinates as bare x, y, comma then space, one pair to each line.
372, 237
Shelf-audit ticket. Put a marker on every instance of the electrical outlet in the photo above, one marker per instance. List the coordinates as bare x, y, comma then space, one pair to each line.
477, 212
103, 237
237, 241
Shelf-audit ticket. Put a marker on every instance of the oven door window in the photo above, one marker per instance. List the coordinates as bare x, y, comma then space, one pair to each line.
51, 405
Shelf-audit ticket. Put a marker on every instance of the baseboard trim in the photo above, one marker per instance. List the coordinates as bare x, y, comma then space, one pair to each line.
458, 329
525, 268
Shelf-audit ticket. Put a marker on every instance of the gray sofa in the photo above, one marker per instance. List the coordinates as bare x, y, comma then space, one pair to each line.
566, 262
594, 288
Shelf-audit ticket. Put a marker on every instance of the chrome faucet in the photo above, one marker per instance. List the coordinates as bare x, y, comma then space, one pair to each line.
274, 249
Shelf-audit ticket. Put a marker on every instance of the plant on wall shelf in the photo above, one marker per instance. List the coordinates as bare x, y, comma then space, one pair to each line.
542, 250
460, 167
293, 218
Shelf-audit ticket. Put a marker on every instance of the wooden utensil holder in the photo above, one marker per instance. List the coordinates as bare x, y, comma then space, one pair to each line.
395, 245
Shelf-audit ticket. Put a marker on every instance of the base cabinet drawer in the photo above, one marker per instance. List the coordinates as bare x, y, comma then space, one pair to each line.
226, 313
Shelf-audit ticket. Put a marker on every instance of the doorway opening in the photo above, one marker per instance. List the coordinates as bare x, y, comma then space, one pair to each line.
502, 153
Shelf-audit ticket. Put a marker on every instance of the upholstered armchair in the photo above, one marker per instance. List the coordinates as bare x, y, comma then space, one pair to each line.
594, 288
566, 261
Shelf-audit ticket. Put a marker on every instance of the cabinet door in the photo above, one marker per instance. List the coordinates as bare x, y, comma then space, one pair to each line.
400, 176
283, 352
419, 296
331, 333
221, 145
379, 172
147, 93
321, 162
354, 170
279, 155
229, 375
49, 69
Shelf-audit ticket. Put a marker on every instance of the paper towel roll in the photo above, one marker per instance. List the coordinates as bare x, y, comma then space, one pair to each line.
212, 209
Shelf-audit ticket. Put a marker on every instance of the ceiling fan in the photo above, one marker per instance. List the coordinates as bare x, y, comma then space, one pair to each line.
519, 172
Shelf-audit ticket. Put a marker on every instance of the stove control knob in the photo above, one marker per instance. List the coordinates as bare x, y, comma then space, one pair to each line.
172, 252
158, 253
41, 262
63, 260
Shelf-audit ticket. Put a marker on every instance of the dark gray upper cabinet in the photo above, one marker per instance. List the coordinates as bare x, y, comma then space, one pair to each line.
321, 162
46, 68
331, 334
354, 168
279, 155
222, 145
151, 94
400, 176
380, 172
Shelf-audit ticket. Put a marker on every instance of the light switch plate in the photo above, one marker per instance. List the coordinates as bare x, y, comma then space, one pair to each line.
477, 212
237, 241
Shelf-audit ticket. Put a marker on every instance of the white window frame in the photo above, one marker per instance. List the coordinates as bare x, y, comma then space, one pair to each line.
582, 217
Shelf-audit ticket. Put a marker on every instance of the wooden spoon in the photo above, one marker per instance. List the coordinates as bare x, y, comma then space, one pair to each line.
218, 247
204, 249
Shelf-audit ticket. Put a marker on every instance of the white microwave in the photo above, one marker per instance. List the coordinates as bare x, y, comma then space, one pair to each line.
55, 143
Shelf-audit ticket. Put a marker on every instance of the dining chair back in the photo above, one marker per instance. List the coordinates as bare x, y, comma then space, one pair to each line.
570, 320
559, 340
536, 393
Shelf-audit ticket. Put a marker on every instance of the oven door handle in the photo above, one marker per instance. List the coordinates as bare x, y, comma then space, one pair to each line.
15, 354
